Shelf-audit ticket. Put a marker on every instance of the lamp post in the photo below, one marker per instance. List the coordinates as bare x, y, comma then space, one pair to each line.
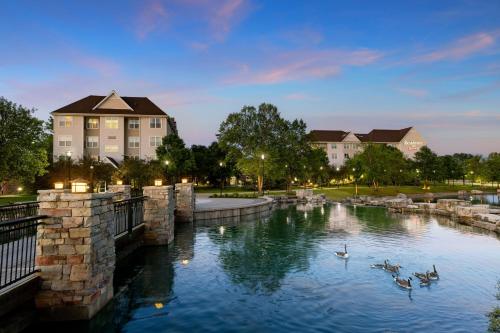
221, 178
68, 155
263, 157
355, 180
167, 162
92, 178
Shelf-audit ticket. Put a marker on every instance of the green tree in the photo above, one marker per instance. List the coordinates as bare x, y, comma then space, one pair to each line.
22, 144
492, 168
180, 159
426, 164
263, 143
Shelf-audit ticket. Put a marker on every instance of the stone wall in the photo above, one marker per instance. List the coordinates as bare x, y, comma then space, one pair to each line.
75, 254
122, 192
159, 215
184, 202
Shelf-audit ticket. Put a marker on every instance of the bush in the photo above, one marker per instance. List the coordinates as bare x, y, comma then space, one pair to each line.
494, 320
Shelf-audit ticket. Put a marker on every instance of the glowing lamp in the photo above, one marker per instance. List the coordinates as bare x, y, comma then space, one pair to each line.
184, 180
119, 182
158, 182
185, 262
159, 305
79, 187
59, 185
19, 189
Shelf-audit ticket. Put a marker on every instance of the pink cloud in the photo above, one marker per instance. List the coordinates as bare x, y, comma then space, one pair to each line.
103, 66
226, 16
460, 49
151, 17
303, 65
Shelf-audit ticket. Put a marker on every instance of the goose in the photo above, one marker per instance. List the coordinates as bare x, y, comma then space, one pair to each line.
341, 254
402, 283
391, 268
424, 278
434, 274
377, 265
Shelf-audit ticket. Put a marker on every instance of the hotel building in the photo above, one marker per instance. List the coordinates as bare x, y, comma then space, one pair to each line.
110, 128
340, 146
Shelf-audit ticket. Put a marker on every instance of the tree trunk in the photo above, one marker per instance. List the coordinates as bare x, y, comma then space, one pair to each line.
259, 184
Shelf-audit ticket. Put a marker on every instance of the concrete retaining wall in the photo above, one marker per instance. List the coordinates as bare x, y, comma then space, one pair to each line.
235, 214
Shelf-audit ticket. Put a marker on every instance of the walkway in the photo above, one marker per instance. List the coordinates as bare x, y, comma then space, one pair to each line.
203, 202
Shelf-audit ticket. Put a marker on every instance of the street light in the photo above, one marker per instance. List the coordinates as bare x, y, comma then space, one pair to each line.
68, 155
263, 157
167, 162
221, 178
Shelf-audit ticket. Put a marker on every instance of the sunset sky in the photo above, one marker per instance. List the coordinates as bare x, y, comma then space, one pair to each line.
350, 65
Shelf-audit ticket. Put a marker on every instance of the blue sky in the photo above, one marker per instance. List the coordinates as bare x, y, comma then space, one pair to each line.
351, 65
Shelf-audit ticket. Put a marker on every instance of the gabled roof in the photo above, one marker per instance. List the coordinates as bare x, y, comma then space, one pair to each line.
137, 106
384, 135
327, 136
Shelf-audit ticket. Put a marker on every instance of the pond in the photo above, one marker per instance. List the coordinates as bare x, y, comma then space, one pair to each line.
476, 199
280, 275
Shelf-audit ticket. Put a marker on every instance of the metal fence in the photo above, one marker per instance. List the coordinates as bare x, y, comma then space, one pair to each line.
129, 213
17, 249
17, 211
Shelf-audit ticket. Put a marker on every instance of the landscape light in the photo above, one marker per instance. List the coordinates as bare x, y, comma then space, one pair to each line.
185, 262
119, 182
79, 187
262, 156
167, 162
19, 189
158, 182
159, 305
59, 185
184, 180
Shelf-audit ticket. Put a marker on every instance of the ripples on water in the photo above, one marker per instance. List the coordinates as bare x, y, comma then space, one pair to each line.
281, 275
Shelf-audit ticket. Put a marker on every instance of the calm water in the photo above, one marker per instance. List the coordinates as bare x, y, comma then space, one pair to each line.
280, 275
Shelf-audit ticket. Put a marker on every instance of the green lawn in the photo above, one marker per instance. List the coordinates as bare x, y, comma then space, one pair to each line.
8, 199
348, 191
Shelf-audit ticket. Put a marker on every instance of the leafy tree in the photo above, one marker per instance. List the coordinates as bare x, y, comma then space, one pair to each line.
22, 144
180, 159
138, 172
492, 168
426, 164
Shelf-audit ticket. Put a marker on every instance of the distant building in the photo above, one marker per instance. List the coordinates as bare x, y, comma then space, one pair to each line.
340, 145
110, 127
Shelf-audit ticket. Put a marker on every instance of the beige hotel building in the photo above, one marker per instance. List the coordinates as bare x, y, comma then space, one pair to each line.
110, 128
340, 146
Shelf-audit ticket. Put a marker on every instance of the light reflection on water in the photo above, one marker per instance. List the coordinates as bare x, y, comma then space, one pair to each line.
281, 275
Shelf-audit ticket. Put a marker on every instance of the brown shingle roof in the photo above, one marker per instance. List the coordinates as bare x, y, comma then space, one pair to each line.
140, 106
383, 135
327, 136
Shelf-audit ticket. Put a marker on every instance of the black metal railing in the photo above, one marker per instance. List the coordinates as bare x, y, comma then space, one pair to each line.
17, 211
17, 249
129, 213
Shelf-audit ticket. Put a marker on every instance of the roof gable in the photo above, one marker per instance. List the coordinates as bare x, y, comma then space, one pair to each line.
113, 102
327, 136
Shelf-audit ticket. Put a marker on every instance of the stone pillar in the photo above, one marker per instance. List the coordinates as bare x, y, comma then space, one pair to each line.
184, 202
122, 191
75, 253
158, 215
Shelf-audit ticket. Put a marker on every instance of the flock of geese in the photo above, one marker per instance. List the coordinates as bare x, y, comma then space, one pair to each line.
425, 278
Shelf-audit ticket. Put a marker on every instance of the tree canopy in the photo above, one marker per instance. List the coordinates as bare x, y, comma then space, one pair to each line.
22, 143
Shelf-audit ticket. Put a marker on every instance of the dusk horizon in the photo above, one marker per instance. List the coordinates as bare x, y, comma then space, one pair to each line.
433, 66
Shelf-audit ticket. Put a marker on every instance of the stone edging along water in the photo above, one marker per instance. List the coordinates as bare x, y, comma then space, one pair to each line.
481, 216
253, 209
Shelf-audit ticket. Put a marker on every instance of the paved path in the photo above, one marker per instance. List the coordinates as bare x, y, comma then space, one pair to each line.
203, 202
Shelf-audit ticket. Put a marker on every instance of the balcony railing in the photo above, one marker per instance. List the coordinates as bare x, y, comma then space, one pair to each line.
129, 213
17, 211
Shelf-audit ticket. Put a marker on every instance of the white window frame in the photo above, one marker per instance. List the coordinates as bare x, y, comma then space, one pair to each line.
334, 156
107, 125
64, 138
154, 122
95, 143
66, 121
108, 150
156, 143
136, 143
135, 122
333, 146
87, 125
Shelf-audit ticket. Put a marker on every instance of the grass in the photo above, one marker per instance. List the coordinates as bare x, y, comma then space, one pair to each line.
343, 192
9, 199
348, 191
